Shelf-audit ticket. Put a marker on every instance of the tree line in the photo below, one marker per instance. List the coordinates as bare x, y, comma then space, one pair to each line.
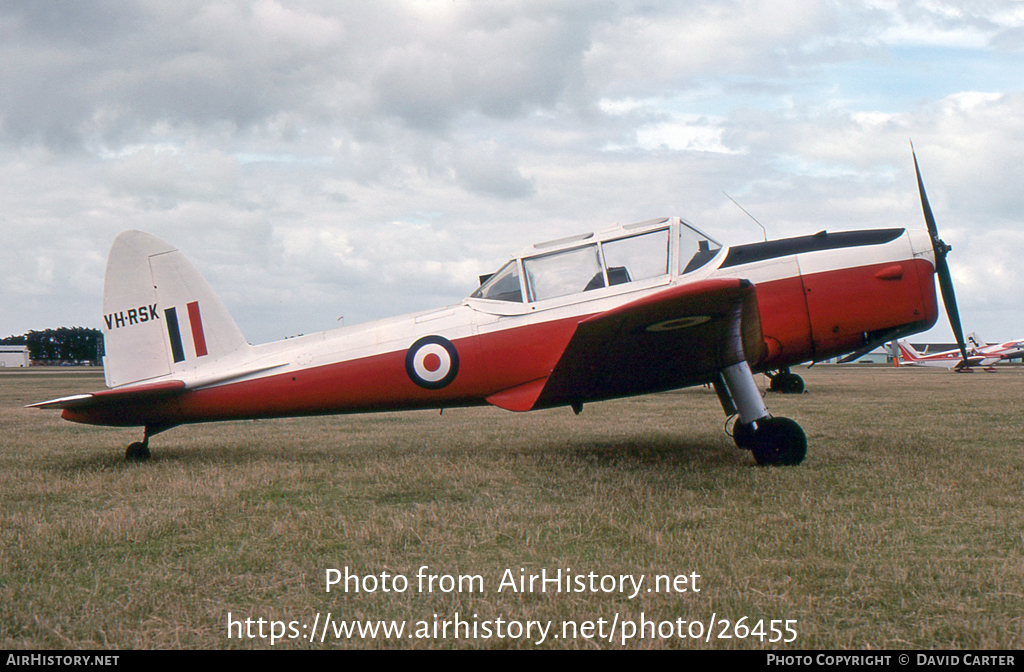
65, 344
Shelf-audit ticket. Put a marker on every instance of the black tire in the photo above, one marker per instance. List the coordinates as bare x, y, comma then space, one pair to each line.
787, 383
743, 435
137, 452
779, 441
793, 384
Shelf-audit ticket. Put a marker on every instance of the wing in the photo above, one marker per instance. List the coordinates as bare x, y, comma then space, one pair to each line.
683, 335
1012, 352
966, 363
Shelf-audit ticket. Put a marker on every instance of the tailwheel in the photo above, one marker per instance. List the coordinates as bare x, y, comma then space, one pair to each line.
777, 441
137, 452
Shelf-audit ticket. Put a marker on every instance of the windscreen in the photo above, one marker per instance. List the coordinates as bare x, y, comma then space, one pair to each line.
502, 286
695, 249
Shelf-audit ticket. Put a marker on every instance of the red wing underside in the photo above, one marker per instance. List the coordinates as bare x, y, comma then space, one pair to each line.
681, 336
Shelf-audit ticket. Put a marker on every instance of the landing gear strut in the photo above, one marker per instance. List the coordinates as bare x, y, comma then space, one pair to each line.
139, 451
773, 441
786, 382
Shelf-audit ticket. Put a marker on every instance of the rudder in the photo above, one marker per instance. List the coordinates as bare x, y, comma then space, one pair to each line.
160, 316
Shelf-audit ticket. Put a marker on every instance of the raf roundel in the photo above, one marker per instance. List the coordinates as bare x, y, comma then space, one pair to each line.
432, 362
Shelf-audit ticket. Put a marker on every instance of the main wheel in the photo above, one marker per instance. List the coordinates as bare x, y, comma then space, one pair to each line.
137, 452
787, 383
778, 441
793, 384
743, 434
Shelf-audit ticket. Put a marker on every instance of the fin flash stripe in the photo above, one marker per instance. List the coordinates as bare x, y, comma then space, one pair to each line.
174, 333
196, 321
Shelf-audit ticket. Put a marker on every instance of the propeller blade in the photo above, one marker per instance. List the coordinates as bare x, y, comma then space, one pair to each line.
941, 249
929, 218
949, 300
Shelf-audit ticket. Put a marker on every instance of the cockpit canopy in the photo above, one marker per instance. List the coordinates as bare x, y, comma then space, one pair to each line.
630, 253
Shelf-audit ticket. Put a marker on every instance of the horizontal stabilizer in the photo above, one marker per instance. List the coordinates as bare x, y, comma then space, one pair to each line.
149, 391
108, 397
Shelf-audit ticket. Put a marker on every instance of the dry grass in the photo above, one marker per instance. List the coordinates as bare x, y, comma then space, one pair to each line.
904, 527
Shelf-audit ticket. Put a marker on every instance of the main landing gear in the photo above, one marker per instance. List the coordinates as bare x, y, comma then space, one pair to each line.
773, 441
778, 441
785, 382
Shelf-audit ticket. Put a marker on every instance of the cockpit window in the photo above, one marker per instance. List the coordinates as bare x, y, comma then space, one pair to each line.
630, 258
695, 249
637, 257
562, 273
502, 286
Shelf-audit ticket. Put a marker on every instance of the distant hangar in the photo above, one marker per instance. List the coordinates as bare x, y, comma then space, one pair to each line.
13, 356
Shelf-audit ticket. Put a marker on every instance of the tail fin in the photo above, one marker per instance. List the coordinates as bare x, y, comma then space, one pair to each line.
975, 341
160, 316
908, 352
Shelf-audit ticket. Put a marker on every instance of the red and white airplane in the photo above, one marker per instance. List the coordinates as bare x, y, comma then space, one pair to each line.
978, 354
1007, 350
907, 355
630, 310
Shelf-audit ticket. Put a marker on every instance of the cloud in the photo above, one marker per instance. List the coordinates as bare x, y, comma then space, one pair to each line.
484, 169
368, 159
161, 177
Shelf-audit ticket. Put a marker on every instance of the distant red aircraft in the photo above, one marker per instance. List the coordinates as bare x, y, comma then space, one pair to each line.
1002, 351
906, 355
630, 310
978, 354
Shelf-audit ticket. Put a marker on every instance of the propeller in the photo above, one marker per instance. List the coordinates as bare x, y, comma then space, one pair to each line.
941, 267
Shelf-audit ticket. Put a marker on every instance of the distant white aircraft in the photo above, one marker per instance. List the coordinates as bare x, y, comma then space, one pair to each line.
1007, 350
978, 354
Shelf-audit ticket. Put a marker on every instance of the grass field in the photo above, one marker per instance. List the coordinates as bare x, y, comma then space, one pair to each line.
904, 528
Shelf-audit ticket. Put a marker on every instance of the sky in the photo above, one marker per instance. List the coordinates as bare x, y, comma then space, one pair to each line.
328, 163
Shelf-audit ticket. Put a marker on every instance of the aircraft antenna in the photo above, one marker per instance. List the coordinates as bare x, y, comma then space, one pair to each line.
749, 215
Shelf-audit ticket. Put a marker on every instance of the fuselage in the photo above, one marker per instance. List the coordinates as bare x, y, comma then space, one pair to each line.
818, 297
